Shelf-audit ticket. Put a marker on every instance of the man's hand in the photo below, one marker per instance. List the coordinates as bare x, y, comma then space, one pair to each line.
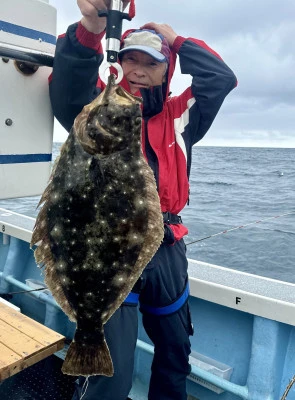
90, 8
163, 29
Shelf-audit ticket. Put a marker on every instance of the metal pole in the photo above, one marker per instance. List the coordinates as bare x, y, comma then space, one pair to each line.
26, 55
241, 391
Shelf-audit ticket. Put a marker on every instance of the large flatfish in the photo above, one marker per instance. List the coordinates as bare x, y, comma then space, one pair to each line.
100, 223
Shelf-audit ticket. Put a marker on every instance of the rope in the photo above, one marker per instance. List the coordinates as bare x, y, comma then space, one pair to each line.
84, 384
240, 227
288, 388
132, 9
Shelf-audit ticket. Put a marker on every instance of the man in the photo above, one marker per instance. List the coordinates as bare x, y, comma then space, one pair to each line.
171, 126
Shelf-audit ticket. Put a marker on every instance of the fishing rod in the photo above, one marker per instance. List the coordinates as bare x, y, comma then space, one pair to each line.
8, 296
239, 227
288, 388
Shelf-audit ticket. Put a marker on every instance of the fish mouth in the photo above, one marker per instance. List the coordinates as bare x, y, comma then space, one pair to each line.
99, 121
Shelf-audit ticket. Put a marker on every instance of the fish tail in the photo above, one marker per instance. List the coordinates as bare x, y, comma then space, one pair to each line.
84, 359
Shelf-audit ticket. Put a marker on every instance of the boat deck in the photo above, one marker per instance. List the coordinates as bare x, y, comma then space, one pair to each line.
43, 380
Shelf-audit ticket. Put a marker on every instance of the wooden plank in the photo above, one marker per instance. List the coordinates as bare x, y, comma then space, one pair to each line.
9, 362
18, 341
23, 342
28, 326
8, 356
21, 364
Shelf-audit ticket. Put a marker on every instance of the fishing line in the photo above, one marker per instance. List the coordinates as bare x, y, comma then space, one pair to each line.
84, 384
239, 227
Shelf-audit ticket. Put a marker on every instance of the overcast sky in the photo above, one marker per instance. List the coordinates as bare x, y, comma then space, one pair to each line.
255, 38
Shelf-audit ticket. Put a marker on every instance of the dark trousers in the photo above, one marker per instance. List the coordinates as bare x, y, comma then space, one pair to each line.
162, 282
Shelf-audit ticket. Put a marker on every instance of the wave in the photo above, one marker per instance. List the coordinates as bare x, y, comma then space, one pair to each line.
216, 183
197, 181
278, 231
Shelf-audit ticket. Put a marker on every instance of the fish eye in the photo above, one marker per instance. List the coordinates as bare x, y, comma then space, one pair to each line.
92, 134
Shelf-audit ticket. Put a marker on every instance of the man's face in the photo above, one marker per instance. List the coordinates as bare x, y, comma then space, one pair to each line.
142, 71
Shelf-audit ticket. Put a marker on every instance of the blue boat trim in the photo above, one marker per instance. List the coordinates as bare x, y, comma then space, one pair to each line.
171, 308
27, 32
24, 158
132, 298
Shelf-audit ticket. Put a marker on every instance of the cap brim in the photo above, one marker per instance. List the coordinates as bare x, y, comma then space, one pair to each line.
145, 49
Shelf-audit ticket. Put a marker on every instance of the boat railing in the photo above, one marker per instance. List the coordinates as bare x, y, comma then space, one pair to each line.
38, 58
262, 313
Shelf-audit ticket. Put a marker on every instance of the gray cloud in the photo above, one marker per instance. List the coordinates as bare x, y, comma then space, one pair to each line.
255, 38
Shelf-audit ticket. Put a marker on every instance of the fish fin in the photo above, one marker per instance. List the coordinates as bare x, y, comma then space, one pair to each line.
86, 360
44, 257
40, 228
52, 280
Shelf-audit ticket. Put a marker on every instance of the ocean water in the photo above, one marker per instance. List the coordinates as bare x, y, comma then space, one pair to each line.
232, 187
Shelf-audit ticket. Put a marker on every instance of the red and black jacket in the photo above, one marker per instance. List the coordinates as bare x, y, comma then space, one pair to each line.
169, 131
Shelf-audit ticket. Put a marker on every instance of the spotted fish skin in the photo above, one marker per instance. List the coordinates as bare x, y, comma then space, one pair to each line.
100, 223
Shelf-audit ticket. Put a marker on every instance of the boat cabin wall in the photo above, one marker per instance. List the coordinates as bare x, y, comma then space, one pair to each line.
26, 119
